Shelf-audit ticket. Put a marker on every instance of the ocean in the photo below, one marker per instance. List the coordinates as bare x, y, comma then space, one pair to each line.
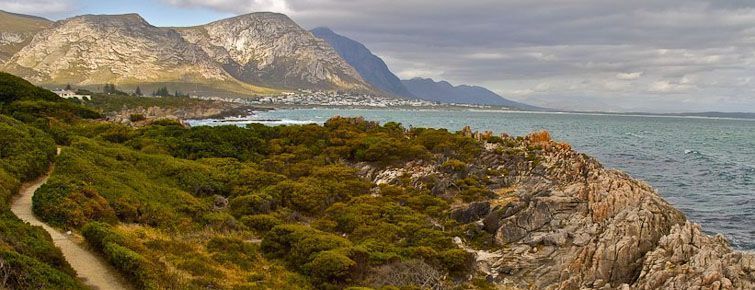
703, 166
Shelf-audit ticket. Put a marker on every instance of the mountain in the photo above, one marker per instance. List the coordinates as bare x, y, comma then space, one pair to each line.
370, 66
444, 92
272, 49
16, 31
248, 54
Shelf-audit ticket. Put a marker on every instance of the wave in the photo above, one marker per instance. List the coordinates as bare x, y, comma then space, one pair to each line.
246, 121
284, 122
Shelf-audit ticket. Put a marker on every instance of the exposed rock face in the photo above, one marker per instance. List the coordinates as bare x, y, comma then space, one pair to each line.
16, 31
249, 54
270, 48
95, 49
687, 258
569, 223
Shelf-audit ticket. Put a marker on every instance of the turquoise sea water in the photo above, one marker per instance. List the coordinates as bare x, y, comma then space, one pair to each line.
705, 167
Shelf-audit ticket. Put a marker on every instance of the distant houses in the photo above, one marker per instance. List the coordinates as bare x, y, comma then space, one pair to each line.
69, 94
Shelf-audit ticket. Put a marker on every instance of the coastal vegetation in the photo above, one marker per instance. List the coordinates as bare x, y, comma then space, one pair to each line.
349, 204
219, 205
254, 207
28, 258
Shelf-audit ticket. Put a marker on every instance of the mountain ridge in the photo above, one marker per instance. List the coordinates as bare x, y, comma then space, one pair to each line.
16, 31
256, 53
443, 91
372, 68
253, 47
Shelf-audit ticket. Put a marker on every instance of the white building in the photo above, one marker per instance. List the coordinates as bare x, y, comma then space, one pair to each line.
68, 94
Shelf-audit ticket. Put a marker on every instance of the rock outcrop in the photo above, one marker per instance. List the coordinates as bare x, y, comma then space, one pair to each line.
16, 31
560, 220
209, 110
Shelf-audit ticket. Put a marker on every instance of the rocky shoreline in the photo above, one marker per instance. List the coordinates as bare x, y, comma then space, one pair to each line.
561, 220
214, 110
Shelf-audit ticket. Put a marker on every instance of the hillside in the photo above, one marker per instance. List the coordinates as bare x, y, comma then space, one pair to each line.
272, 49
92, 50
442, 91
347, 203
28, 257
16, 31
258, 53
370, 66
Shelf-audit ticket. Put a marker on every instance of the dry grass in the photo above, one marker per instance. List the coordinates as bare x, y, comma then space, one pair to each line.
505, 196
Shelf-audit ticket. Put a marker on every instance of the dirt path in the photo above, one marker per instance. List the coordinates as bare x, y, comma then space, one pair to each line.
95, 272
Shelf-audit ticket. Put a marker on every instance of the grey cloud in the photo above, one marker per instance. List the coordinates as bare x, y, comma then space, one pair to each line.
693, 54
36, 6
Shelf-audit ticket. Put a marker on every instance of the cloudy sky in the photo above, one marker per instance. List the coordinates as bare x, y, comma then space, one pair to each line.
640, 55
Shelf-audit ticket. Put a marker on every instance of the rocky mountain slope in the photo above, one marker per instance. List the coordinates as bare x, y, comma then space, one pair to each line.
370, 66
16, 31
272, 49
122, 49
561, 220
243, 55
442, 91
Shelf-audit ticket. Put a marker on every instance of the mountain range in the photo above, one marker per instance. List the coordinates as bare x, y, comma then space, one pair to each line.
444, 92
251, 54
374, 70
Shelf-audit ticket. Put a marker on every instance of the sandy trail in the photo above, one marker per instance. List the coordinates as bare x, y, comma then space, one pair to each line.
92, 269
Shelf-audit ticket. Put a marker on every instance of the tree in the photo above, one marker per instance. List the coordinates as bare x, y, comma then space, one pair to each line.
180, 94
138, 92
68, 87
110, 89
162, 92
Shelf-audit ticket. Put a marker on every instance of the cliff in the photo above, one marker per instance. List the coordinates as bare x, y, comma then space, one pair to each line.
560, 220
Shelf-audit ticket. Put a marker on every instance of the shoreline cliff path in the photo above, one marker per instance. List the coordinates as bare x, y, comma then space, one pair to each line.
92, 269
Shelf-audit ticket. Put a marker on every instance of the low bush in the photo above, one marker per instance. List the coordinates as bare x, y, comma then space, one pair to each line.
261, 222
134, 266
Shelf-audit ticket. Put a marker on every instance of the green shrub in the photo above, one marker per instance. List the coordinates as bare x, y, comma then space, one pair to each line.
454, 166
457, 261
135, 267
330, 266
24, 272
221, 221
258, 203
260, 222
299, 244
100, 234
